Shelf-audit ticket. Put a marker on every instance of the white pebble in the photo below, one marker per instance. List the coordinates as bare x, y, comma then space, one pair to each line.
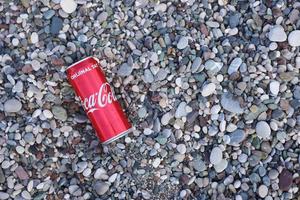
48, 114
263, 191
277, 34
274, 87
68, 6
15, 42
156, 162
181, 148
20, 149
263, 130
216, 155
294, 38
208, 89
34, 38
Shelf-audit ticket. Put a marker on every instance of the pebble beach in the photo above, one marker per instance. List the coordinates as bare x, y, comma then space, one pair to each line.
211, 87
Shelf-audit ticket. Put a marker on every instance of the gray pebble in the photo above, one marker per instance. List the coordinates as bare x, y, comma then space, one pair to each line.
125, 70
183, 43
12, 106
101, 187
230, 104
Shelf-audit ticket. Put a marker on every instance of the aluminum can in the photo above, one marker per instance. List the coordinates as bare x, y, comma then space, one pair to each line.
98, 100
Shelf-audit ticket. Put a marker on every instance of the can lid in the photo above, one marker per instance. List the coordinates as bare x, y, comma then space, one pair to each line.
78, 62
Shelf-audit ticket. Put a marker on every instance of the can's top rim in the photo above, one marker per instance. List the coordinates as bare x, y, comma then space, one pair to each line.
78, 62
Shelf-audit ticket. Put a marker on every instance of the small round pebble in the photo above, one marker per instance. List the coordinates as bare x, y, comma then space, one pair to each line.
181, 148
263, 130
68, 6
263, 191
182, 43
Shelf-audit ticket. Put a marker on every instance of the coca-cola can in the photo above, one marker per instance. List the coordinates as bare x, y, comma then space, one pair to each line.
98, 100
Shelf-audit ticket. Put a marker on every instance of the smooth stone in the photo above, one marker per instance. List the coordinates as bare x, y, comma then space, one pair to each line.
162, 7
294, 38
48, 14
4, 195
230, 104
87, 172
21, 173
208, 89
34, 38
75, 190
277, 34
156, 162
273, 174
161, 139
68, 6
263, 191
181, 111
221, 166
216, 156
196, 64
274, 87
113, 177
29, 137
15, 42
166, 118
285, 180
148, 76
100, 174
181, 148
182, 43
161, 75
26, 195
56, 25
101, 187
199, 165
212, 66
234, 65
102, 17
263, 130
12, 106
48, 114
243, 158
20, 149
18, 88
237, 137
59, 113
36, 65
125, 70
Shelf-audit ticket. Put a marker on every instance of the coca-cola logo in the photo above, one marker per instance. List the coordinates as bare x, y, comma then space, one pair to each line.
98, 100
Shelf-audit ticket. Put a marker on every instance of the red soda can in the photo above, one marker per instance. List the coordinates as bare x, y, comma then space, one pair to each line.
98, 100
